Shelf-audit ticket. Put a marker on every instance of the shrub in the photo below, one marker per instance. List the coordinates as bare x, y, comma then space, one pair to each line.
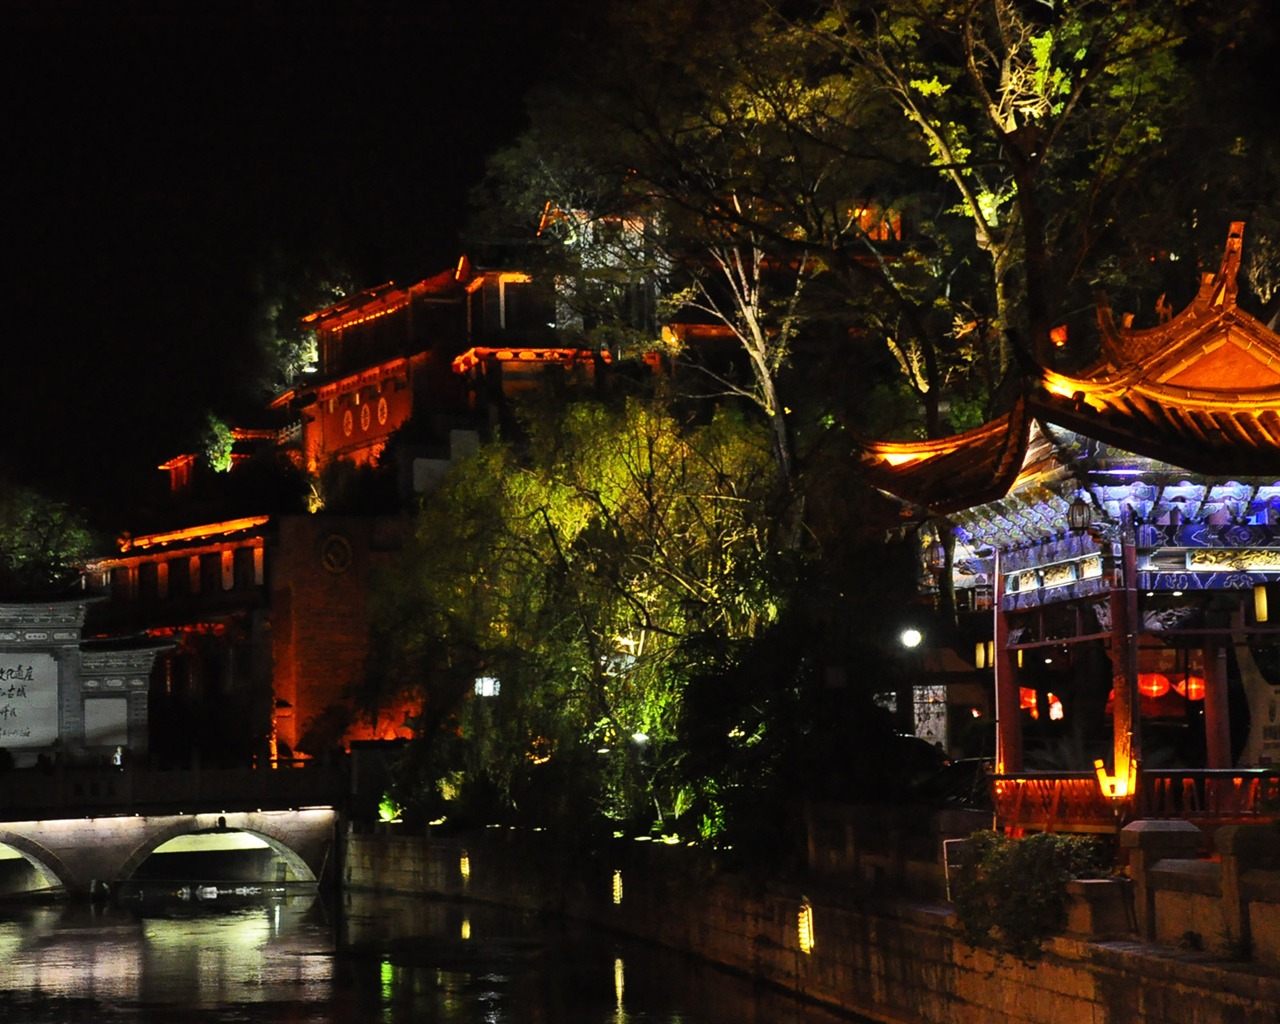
1011, 894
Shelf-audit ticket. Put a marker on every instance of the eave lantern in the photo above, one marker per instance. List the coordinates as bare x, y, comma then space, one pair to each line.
1079, 514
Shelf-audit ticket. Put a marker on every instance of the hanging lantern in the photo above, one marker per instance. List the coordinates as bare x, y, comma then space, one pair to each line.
1192, 688
1152, 684
1260, 602
980, 654
1079, 514
1027, 701
936, 553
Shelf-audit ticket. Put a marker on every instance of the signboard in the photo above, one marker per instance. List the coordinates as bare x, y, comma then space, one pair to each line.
28, 700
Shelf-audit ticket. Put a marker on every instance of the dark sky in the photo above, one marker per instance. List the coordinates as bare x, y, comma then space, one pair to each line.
156, 152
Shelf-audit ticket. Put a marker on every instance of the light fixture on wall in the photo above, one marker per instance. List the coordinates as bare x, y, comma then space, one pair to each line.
804, 924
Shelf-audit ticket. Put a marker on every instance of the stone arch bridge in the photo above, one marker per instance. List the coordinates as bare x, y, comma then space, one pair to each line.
76, 854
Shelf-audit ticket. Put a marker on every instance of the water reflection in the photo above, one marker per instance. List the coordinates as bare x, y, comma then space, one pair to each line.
366, 959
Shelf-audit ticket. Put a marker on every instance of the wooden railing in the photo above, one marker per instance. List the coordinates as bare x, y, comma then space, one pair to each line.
1073, 801
1052, 802
1216, 795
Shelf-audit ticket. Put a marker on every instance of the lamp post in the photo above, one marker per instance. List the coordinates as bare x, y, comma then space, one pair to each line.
905, 712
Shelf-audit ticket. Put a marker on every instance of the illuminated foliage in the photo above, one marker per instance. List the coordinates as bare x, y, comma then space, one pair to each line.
287, 289
42, 543
218, 444
928, 188
726, 191
1011, 894
1037, 117
579, 570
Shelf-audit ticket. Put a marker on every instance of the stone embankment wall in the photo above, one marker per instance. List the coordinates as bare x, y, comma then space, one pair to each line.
890, 961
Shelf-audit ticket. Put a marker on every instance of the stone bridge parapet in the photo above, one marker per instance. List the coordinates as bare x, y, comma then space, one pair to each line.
75, 853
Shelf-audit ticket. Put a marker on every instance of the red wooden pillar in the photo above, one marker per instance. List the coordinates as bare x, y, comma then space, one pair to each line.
1217, 723
1008, 706
1125, 620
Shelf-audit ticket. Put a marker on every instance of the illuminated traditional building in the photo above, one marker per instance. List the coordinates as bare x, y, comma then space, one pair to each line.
389, 355
265, 614
1123, 525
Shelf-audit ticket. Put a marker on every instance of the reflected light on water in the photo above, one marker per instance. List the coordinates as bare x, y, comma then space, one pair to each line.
229, 951
57, 967
390, 960
387, 975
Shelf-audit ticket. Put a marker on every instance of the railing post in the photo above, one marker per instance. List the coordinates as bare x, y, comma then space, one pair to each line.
1008, 706
1148, 842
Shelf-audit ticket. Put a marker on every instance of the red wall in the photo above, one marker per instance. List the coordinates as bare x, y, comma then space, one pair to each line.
320, 578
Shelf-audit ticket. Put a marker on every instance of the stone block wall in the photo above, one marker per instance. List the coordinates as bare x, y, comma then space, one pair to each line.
888, 961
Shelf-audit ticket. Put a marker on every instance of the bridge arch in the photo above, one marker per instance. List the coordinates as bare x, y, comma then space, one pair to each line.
74, 853
47, 864
298, 868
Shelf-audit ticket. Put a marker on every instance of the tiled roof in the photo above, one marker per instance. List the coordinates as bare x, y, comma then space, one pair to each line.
1200, 391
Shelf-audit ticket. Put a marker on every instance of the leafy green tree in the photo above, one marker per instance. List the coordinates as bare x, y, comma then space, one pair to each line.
722, 168
43, 542
1040, 118
287, 289
1023, 154
582, 572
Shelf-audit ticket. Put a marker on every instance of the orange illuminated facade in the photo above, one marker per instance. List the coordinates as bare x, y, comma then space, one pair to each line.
264, 615
1122, 524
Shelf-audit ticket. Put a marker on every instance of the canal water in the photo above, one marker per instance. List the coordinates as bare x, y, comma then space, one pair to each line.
364, 959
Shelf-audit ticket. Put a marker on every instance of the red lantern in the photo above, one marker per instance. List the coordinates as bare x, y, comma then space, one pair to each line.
1152, 684
1192, 688
1027, 700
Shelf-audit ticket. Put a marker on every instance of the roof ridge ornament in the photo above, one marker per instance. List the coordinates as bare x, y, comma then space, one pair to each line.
1225, 287
1121, 343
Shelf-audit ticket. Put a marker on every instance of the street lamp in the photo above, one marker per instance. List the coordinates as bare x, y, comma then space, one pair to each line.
910, 638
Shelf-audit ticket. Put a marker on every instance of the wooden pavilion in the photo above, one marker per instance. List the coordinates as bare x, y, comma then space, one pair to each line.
1126, 521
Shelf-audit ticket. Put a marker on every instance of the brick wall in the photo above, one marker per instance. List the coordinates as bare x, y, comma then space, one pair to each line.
321, 574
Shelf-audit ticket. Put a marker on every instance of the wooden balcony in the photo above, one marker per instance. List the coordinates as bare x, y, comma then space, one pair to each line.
1073, 801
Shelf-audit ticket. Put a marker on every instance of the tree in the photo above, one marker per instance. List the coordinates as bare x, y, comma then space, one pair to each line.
1038, 116
940, 186
287, 289
584, 573
43, 543
727, 186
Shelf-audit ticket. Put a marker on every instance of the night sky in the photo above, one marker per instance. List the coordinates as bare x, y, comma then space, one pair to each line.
160, 156
158, 153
